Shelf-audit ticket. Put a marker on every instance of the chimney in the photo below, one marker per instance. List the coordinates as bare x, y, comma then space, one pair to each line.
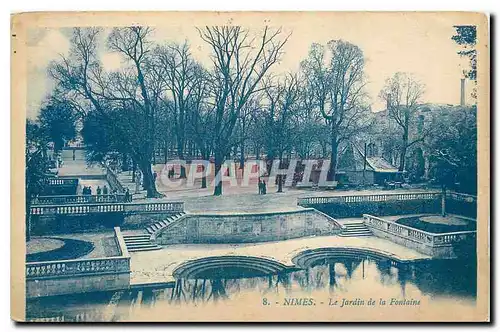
462, 92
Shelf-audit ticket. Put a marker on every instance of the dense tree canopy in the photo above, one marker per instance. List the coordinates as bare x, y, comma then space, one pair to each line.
161, 102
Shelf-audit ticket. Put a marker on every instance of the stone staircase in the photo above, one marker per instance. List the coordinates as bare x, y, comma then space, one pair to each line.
142, 241
139, 242
151, 229
355, 229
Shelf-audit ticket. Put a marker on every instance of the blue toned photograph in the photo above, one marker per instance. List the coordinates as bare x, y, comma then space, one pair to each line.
256, 167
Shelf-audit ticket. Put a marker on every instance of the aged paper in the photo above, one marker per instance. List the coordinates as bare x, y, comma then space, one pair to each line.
250, 166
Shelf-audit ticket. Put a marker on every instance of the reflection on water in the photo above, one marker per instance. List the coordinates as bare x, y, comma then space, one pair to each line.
448, 280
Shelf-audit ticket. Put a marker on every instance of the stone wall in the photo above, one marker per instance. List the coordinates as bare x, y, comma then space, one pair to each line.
241, 228
77, 284
384, 208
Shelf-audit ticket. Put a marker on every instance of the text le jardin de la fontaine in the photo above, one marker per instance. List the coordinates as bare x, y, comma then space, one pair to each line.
342, 302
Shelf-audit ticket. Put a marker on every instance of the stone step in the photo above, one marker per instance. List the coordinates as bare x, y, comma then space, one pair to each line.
355, 235
144, 249
356, 231
141, 245
138, 236
357, 227
161, 224
142, 241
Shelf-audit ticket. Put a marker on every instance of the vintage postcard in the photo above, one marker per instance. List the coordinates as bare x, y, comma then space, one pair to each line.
250, 166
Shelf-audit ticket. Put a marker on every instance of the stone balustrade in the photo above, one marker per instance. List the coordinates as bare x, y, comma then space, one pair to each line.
77, 209
437, 245
155, 207
78, 199
62, 181
75, 267
72, 267
50, 278
462, 197
306, 201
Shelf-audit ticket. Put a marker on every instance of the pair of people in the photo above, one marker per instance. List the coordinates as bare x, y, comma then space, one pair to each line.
87, 190
262, 187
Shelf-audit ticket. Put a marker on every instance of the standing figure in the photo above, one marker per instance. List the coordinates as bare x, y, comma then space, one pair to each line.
98, 190
264, 189
105, 190
138, 182
260, 186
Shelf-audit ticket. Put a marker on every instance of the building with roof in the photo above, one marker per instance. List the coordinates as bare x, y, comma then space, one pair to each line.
355, 166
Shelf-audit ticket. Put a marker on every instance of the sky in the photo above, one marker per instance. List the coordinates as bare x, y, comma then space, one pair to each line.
408, 43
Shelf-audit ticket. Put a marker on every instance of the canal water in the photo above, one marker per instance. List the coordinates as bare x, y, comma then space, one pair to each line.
333, 283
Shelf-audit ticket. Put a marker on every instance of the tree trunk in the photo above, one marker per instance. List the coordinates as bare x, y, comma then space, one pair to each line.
333, 159
206, 157
183, 169
242, 157
124, 162
280, 178
134, 170
402, 155
218, 175
165, 153
148, 181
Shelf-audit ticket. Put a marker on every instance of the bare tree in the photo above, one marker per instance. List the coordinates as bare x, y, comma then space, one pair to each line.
201, 116
131, 89
179, 70
239, 64
335, 75
283, 97
402, 93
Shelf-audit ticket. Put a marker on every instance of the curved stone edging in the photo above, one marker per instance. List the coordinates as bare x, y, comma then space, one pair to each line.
304, 258
188, 268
